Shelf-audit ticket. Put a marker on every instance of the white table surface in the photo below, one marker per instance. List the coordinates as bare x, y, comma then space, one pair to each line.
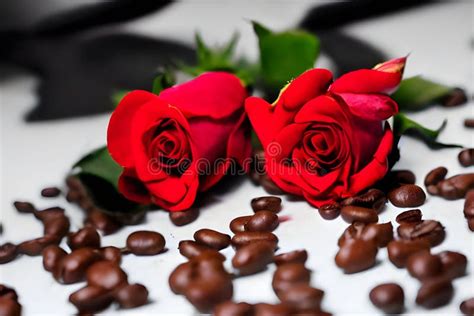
36, 155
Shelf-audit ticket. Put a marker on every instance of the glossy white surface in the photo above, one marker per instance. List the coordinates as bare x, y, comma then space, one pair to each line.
40, 154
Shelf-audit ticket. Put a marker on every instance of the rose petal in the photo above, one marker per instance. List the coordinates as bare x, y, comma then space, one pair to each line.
366, 81
260, 115
132, 188
372, 107
323, 109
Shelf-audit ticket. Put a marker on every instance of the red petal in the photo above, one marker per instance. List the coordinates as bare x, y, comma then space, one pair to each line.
132, 188
372, 107
396, 65
118, 132
366, 81
260, 114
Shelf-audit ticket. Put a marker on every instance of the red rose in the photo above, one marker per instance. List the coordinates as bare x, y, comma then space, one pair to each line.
179, 142
326, 141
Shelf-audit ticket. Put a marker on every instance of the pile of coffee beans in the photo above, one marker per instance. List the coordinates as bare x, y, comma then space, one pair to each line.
453, 188
9, 305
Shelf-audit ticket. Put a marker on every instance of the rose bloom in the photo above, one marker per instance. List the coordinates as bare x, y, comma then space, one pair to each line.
179, 142
327, 140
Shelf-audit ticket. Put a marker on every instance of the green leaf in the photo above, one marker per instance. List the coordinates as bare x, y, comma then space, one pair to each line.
164, 79
118, 96
402, 125
417, 93
285, 55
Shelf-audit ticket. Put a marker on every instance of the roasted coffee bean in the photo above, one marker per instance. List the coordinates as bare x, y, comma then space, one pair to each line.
111, 253
467, 307
435, 292
356, 255
389, 297
288, 275
132, 295
466, 157
9, 307
8, 252
456, 97
469, 204
24, 207
302, 297
8, 292
266, 203
296, 256
381, 234
212, 238
102, 222
184, 217
330, 211
145, 243
253, 258
400, 250
374, 199
470, 223
269, 186
423, 265
72, 268
435, 176
264, 309
454, 264
456, 186
34, 247
410, 216
262, 221
237, 225
49, 213
106, 274
469, 122
245, 238
352, 214
180, 278
51, 257
403, 176
50, 192
353, 231
230, 308
56, 226
85, 237
409, 195
207, 293
429, 230
191, 249
91, 299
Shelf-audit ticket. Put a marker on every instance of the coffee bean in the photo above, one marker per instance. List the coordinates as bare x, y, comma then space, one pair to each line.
72, 268
374, 199
207, 293
9, 307
106, 274
191, 249
456, 186
353, 231
184, 217
34, 247
145, 243
469, 122
467, 307
8, 293
409, 195
454, 264
132, 295
85, 237
269, 186
8, 252
56, 226
330, 211
24, 207
180, 278
230, 308
303, 297
435, 176
91, 299
237, 225
51, 257
469, 204
212, 238
466, 157
264, 309
435, 292
352, 214
410, 216
356, 255
266, 203
389, 297
262, 221
49, 213
50, 192
423, 265
111, 253
288, 275
403, 176
296, 256
253, 258
456, 97
245, 238
400, 250
429, 230
102, 222
381, 234
470, 223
